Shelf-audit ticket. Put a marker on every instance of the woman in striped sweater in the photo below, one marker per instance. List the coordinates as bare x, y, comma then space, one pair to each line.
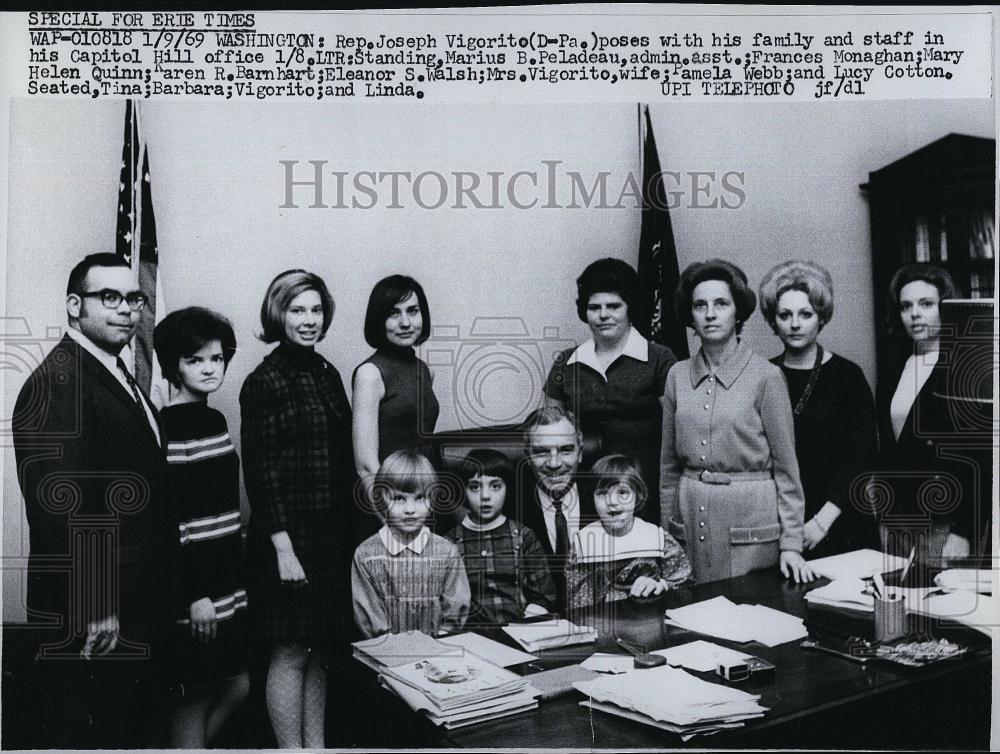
194, 346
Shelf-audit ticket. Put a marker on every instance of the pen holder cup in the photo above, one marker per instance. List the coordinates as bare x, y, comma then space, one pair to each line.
890, 619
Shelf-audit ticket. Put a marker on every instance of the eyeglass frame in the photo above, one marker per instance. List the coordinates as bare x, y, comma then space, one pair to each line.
140, 298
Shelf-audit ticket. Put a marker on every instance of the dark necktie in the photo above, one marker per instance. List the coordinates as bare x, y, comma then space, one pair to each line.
562, 529
131, 382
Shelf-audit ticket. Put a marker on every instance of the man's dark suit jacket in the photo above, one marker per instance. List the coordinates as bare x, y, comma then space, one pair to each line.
528, 510
95, 488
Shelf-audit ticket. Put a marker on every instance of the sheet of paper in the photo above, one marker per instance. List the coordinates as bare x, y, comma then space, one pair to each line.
858, 564
609, 663
769, 626
699, 655
969, 608
399, 649
966, 579
492, 651
712, 617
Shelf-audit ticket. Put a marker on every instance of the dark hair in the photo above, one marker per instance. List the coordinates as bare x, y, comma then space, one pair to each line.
386, 294
714, 269
404, 471
910, 273
281, 292
607, 276
78, 274
610, 470
487, 462
797, 275
186, 331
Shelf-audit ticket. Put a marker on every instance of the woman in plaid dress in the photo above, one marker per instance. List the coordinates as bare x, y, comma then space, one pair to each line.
299, 472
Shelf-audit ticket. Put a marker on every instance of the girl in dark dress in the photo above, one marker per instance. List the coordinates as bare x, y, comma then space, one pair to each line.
194, 347
833, 408
299, 474
394, 403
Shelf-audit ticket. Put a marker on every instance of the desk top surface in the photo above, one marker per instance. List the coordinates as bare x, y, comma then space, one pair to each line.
805, 683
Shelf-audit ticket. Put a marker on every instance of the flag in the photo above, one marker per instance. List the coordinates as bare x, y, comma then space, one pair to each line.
658, 273
135, 242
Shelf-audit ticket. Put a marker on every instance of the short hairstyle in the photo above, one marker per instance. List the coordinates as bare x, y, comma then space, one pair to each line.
386, 294
910, 273
487, 462
547, 415
607, 276
714, 269
185, 331
78, 275
610, 470
281, 292
403, 471
797, 275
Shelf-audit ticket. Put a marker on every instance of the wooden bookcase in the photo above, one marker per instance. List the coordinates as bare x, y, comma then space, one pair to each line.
934, 205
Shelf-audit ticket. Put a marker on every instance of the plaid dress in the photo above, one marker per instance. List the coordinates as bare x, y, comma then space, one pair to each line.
299, 471
507, 571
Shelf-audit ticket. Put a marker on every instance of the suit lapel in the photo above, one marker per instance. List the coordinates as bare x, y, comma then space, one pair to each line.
99, 372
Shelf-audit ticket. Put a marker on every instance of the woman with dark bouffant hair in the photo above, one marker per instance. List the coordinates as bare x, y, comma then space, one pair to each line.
299, 473
729, 478
614, 381
832, 404
925, 512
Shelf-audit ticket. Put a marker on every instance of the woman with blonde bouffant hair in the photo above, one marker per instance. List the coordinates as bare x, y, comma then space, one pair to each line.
832, 404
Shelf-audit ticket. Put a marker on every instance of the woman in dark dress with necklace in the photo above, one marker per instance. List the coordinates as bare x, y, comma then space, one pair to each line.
394, 403
299, 472
833, 408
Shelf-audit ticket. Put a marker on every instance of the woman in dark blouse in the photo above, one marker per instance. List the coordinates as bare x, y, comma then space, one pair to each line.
833, 408
614, 381
394, 403
299, 473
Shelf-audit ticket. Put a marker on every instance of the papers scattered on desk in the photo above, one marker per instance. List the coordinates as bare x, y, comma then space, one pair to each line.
847, 593
535, 637
968, 608
672, 699
608, 663
699, 655
455, 692
858, 564
399, 649
492, 651
966, 580
741, 623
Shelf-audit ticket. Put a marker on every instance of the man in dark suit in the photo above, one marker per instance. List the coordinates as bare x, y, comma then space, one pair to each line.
94, 479
555, 500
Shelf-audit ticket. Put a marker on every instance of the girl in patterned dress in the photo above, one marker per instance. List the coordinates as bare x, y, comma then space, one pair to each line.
404, 577
194, 346
622, 556
503, 558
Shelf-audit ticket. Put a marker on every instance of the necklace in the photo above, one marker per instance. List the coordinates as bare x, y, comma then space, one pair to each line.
813, 377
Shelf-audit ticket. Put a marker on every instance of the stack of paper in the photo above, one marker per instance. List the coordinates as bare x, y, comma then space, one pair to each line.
672, 699
966, 580
740, 623
848, 594
492, 651
535, 637
702, 656
399, 649
968, 608
455, 692
858, 564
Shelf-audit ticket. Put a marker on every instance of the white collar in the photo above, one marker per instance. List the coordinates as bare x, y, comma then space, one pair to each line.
395, 547
569, 500
636, 347
496, 523
594, 544
109, 361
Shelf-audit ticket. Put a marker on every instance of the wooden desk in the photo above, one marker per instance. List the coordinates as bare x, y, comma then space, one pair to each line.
815, 700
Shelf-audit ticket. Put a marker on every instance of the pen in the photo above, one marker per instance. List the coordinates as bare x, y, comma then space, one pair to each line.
909, 562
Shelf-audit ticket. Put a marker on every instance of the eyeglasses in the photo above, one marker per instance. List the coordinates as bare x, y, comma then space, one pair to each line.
112, 299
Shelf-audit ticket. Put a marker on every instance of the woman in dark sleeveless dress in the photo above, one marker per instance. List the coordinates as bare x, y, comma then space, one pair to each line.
833, 408
394, 403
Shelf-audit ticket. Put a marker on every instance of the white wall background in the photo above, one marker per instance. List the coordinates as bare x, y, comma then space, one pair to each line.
217, 187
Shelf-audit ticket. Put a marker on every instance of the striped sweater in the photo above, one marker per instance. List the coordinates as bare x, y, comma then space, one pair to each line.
204, 471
